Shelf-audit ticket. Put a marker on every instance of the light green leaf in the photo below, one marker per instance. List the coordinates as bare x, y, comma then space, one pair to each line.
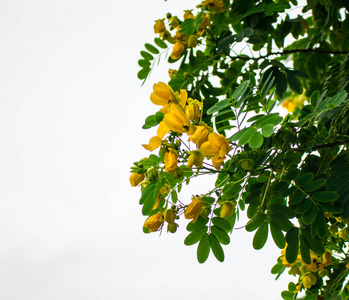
256, 140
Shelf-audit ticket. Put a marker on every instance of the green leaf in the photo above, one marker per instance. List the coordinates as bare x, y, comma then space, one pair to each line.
303, 206
143, 74
148, 198
151, 48
315, 185
255, 222
216, 248
305, 251
268, 130
282, 222
313, 243
311, 214
243, 135
222, 223
291, 253
221, 235
146, 55
297, 197
325, 196
241, 89
256, 140
203, 249
198, 225
283, 211
281, 85
187, 27
153, 120
277, 235
195, 236
278, 268
305, 179
293, 173
260, 237
321, 228
286, 295
292, 237
160, 43
294, 83
273, 119
219, 106
143, 63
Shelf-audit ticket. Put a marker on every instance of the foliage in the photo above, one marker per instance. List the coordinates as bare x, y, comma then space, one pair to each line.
239, 63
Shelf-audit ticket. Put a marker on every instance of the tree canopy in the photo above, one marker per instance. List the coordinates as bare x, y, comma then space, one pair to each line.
259, 99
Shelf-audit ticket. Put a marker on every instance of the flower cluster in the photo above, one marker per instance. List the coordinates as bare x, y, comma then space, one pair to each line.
182, 115
182, 39
308, 273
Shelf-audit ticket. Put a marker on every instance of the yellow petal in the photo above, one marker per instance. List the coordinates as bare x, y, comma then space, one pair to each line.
154, 143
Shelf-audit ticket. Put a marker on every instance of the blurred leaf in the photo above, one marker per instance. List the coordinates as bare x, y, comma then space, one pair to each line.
151, 48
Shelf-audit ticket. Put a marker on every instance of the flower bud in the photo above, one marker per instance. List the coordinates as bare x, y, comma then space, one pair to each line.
247, 164
227, 209
152, 174
172, 227
136, 179
170, 216
192, 41
154, 222
194, 209
205, 212
159, 26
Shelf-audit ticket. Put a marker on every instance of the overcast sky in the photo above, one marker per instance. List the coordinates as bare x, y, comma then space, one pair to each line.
71, 111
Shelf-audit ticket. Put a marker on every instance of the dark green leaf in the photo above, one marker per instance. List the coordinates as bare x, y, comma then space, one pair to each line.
291, 253
282, 222
203, 249
325, 196
283, 211
305, 251
294, 83
144, 63
303, 206
278, 236
221, 235
241, 89
222, 223
143, 74
305, 179
311, 214
313, 243
216, 248
146, 55
315, 185
260, 236
292, 236
255, 222
160, 43
151, 48
321, 228
293, 173
198, 225
195, 236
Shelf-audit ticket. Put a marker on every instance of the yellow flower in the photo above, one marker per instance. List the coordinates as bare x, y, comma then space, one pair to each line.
156, 141
199, 135
227, 209
162, 94
175, 119
194, 208
327, 258
171, 161
177, 50
216, 146
174, 22
188, 15
308, 280
136, 179
343, 234
192, 110
218, 6
195, 158
205, 23
293, 102
154, 222
159, 26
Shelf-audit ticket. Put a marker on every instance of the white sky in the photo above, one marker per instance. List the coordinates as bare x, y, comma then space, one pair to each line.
71, 111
